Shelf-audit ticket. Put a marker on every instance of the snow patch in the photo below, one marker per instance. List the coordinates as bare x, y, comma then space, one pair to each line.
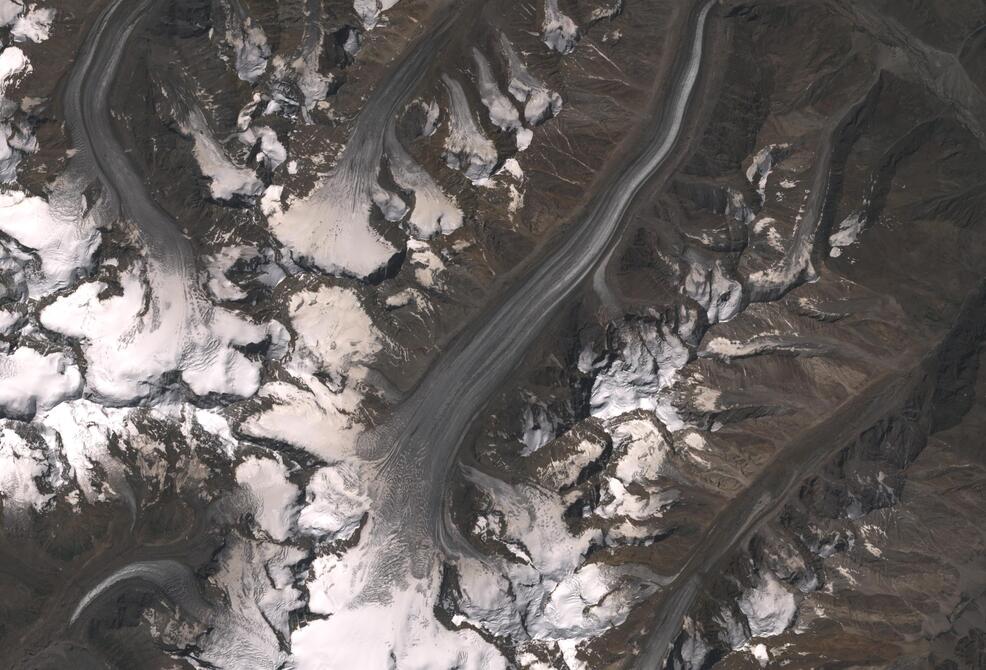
227, 180
762, 165
31, 381
331, 227
135, 335
648, 357
502, 112
559, 31
769, 607
434, 213
335, 505
272, 151
250, 48
401, 633
847, 233
22, 464
34, 26
540, 102
466, 147
335, 336
273, 496
63, 240
369, 11
426, 263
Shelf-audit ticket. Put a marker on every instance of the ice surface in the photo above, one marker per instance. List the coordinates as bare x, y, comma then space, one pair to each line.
538, 428
13, 140
14, 64
81, 431
335, 503
334, 339
389, 203
218, 264
272, 151
335, 336
21, 465
133, 338
559, 31
31, 381
503, 114
34, 25
769, 607
249, 632
719, 295
555, 595
250, 48
331, 227
56, 231
466, 147
401, 633
369, 11
434, 212
9, 10
274, 497
227, 180
650, 355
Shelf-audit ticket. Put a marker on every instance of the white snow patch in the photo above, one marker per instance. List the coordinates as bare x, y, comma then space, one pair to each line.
846, 234
250, 48
426, 263
308, 416
466, 147
82, 431
389, 203
402, 633
335, 336
369, 11
151, 327
331, 227
503, 114
227, 180
559, 30
34, 26
540, 102
56, 231
434, 213
13, 65
21, 466
720, 296
760, 654
335, 505
218, 264
272, 151
9, 10
769, 607
554, 595
257, 579
31, 381
274, 497
762, 165
650, 356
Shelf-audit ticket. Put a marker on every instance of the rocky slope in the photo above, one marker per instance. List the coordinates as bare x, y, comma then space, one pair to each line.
249, 251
